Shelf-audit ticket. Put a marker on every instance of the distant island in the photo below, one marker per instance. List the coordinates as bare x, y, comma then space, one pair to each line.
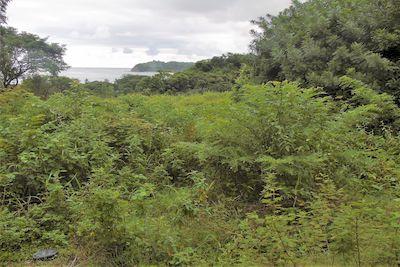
154, 66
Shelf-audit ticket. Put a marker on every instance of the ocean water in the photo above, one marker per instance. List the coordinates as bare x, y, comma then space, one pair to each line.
100, 74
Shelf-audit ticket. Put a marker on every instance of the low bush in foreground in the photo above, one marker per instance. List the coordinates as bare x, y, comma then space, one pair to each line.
267, 175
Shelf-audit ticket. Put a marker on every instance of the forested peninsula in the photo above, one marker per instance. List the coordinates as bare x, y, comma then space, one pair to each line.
155, 66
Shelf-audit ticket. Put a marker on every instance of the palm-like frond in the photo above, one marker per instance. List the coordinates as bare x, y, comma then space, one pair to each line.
3, 7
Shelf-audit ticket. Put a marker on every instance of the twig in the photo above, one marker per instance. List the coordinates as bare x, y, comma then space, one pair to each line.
72, 264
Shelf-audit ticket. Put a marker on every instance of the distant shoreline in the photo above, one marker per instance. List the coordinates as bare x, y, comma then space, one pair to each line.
100, 74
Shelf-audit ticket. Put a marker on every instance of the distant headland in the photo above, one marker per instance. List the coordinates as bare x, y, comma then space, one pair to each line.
154, 66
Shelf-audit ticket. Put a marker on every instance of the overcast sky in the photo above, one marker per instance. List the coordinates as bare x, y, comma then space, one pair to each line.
121, 33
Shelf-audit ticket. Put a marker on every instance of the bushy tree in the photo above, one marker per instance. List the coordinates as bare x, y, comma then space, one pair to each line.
128, 84
23, 53
104, 88
318, 41
45, 86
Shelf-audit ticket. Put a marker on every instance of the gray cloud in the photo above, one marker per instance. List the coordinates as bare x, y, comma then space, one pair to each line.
191, 28
127, 50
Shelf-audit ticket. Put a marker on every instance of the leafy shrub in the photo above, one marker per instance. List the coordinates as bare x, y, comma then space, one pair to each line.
269, 174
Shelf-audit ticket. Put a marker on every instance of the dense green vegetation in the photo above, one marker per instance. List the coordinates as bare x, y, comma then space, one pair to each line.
317, 42
217, 74
285, 157
155, 66
278, 175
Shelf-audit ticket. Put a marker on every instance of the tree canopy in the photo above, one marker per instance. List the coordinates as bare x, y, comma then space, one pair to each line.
24, 53
319, 41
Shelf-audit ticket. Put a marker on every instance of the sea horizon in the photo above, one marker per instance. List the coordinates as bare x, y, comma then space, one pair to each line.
91, 74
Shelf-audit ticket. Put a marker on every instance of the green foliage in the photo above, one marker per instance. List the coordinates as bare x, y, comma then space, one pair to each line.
272, 173
217, 74
225, 63
221, 76
104, 89
23, 53
318, 41
44, 86
128, 84
269, 174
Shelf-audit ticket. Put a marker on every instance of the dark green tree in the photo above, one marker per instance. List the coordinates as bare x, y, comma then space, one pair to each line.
45, 86
127, 84
22, 54
319, 41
